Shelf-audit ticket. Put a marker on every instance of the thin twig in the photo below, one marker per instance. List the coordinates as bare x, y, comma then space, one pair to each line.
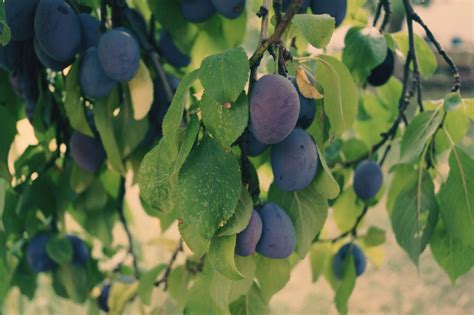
123, 220
164, 279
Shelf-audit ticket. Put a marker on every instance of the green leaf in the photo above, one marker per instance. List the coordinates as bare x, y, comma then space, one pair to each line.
346, 210
221, 255
199, 300
346, 285
365, 49
250, 304
420, 130
340, 93
375, 236
403, 174
247, 266
456, 197
159, 169
198, 244
426, 57
7, 132
452, 101
147, 283
325, 182
103, 116
241, 217
59, 248
4, 29
320, 255
224, 75
457, 125
120, 295
209, 187
219, 290
317, 29
178, 284
73, 104
141, 92
74, 280
174, 116
308, 210
415, 214
223, 123
272, 275
452, 255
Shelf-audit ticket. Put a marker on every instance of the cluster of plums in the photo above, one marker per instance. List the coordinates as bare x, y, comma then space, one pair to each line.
270, 232
39, 260
197, 11
279, 113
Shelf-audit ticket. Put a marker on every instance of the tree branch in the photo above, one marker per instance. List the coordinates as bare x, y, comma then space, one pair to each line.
123, 220
164, 279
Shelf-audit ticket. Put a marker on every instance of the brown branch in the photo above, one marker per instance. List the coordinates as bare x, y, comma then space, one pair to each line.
164, 279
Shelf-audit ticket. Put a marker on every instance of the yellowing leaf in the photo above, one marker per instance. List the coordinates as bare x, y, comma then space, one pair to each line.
141, 92
306, 86
120, 294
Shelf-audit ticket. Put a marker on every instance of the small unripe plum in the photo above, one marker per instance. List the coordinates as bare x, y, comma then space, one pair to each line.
119, 54
87, 152
252, 145
307, 108
274, 108
47, 61
103, 299
382, 73
294, 161
231, 9
80, 252
90, 27
278, 238
360, 261
93, 80
170, 52
20, 16
57, 30
335, 8
368, 179
247, 239
303, 8
37, 256
197, 11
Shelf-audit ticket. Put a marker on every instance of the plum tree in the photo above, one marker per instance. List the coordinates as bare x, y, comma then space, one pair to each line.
231, 9
252, 145
57, 30
36, 254
247, 239
47, 61
335, 8
87, 152
368, 179
278, 238
20, 18
382, 73
307, 108
197, 11
303, 8
90, 26
119, 54
274, 108
103, 299
170, 52
80, 252
360, 261
92, 77
294, 161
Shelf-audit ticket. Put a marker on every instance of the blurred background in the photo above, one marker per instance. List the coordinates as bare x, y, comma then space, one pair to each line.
391, 285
